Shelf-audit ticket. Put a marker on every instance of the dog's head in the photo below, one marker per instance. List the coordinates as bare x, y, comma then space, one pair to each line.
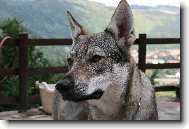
98, 61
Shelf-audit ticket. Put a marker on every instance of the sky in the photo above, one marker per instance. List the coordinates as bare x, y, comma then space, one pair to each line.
141, 2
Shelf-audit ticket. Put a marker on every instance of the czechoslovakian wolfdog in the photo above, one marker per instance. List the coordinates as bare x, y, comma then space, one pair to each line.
104, 82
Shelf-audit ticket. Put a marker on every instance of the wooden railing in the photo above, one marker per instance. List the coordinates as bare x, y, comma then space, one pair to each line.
24, 72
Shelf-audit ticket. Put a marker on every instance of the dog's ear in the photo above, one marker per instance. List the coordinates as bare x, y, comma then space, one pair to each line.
75, 28
121, 26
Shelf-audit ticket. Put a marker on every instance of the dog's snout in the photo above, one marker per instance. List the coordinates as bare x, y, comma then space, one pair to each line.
64, 85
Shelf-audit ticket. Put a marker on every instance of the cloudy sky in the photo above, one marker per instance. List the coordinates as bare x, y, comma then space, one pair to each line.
141, 2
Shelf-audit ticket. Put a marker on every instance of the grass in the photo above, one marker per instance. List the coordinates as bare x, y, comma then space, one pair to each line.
166, 93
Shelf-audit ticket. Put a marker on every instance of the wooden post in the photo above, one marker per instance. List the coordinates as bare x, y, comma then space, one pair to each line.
177, 90
142, 52
23, 72
1, 87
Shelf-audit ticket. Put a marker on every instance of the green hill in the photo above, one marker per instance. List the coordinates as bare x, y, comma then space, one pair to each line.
47, 18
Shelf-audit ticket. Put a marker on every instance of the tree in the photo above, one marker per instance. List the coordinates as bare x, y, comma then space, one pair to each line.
12, 28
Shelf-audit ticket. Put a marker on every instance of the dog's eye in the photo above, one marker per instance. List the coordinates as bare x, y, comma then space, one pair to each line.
95, 59
70, 61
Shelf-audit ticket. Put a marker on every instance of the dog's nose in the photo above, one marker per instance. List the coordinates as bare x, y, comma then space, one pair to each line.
64, 85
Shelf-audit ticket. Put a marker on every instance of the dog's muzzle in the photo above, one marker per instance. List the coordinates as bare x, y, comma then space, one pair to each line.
66, 88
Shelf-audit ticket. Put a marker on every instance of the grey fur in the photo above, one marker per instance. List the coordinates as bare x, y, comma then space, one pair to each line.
103, 62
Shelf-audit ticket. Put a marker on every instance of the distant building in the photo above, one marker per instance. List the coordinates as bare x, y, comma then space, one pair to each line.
173, 61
